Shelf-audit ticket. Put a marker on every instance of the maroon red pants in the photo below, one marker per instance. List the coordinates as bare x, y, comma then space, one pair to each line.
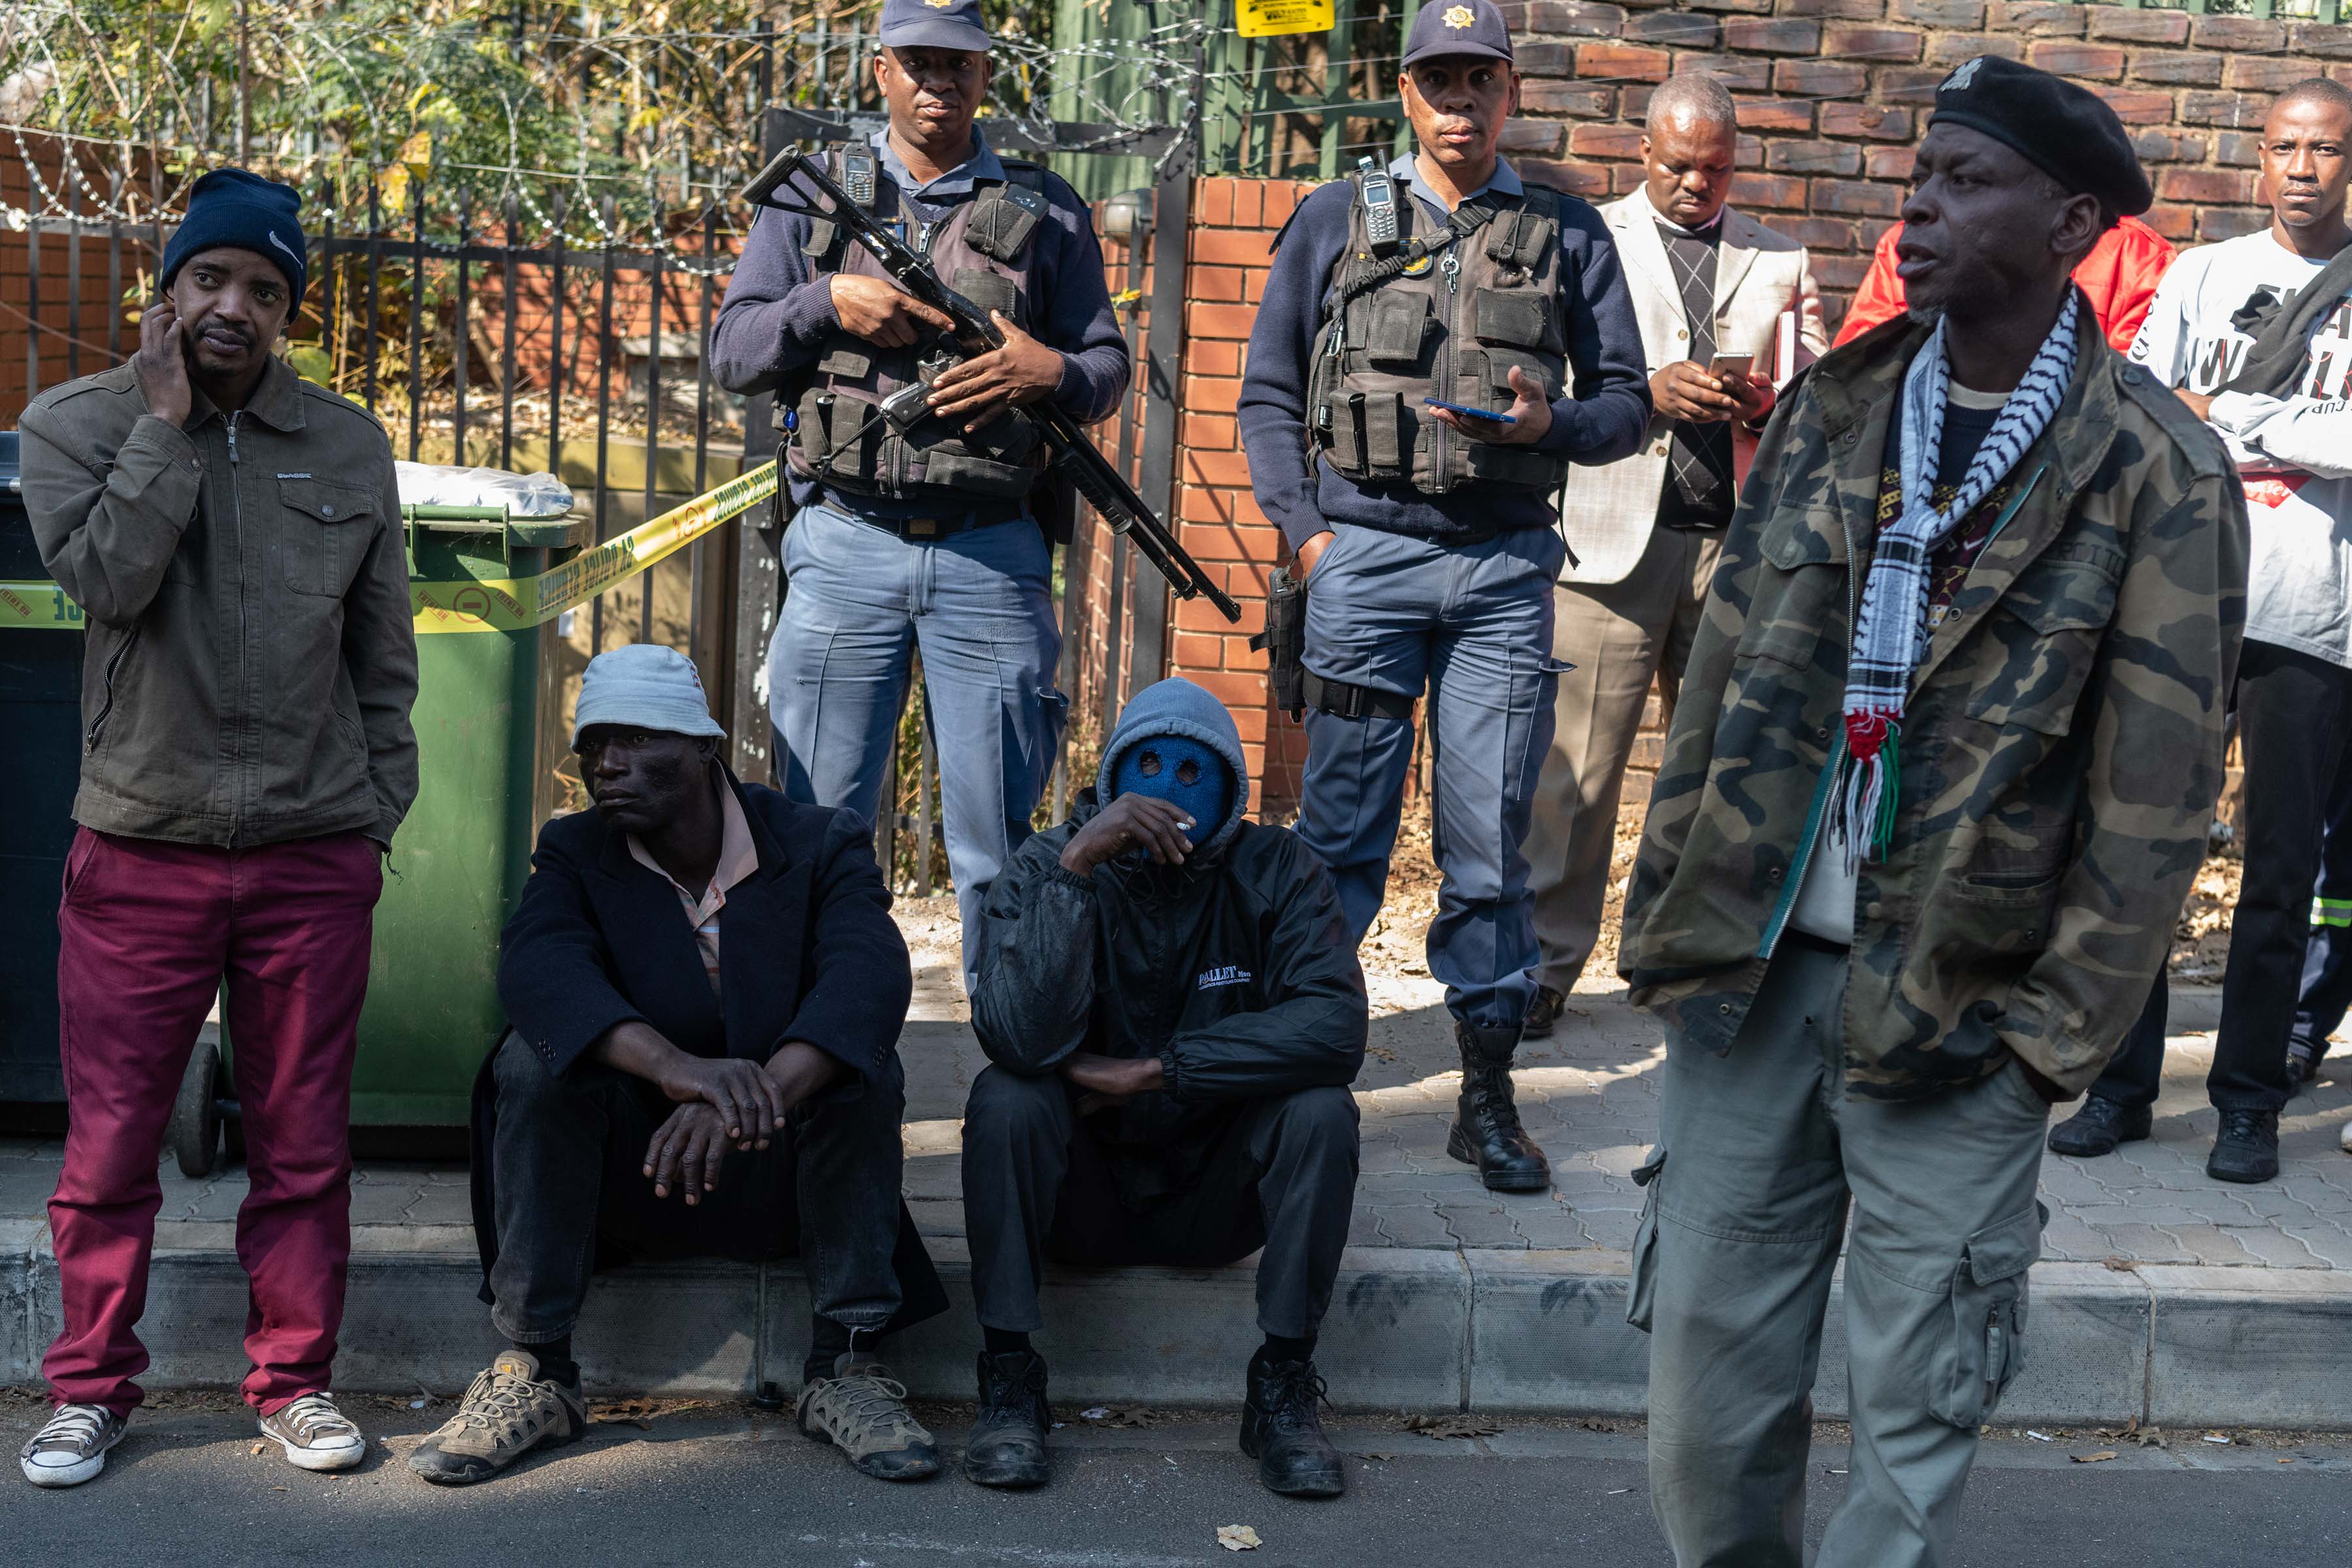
148, 931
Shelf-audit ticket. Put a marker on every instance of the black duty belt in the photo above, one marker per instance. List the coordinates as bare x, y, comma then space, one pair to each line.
925, 529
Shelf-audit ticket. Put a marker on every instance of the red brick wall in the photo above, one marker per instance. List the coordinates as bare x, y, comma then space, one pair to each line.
1832, 95
1234, 224
72, 336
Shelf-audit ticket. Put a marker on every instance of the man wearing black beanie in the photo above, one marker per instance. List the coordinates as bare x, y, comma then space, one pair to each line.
1939, 777
234, 536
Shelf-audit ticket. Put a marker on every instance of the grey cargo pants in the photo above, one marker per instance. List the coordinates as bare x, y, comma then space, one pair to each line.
1761, 1150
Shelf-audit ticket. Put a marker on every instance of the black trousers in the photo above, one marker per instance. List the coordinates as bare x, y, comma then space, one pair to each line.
2292, 713
2327, 962
567, 1191
1038, 1184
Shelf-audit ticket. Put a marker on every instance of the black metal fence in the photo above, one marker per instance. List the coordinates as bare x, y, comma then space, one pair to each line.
485, 332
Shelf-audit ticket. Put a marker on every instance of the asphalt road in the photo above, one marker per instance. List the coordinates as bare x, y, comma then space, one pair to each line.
727, 1485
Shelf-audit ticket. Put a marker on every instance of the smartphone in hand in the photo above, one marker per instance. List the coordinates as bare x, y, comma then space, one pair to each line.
1469, 413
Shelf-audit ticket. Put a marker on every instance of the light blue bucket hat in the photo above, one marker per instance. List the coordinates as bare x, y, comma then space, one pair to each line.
648, 685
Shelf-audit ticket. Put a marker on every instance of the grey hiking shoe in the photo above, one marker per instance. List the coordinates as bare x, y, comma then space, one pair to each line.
862, 1411
71, 1448
508, 1411
314, 1434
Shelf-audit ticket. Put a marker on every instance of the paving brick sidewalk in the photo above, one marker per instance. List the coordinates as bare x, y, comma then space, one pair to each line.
1589, 1094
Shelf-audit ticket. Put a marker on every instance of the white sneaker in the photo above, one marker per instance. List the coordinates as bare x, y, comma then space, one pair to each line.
73, 1447
315, 1434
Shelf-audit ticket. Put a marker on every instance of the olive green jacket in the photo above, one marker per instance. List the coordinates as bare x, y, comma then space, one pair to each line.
2060, 749
251, 660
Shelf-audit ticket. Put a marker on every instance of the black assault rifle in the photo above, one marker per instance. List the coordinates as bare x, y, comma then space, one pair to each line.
1093, 478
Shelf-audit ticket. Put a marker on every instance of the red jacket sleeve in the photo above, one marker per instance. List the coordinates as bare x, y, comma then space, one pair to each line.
1880, 298
2120, 277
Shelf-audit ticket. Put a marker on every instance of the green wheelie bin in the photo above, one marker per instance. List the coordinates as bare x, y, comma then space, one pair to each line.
488, 751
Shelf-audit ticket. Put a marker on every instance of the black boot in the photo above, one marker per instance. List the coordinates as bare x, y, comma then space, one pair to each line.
1486, 1132
2247, 1149
1007, 1445
2099, 1126
1281, 1430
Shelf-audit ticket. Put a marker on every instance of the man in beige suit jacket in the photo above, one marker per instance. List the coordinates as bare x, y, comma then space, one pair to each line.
1709, 283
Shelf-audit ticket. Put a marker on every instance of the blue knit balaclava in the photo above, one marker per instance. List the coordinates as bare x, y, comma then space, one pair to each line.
1182, 771
230, 206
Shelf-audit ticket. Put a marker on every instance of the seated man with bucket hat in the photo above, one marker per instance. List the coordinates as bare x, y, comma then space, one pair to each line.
705, 990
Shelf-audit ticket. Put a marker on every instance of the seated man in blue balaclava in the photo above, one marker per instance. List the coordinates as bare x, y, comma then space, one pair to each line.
1174, 1011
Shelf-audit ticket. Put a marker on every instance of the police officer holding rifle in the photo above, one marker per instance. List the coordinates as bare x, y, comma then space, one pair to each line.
921, 533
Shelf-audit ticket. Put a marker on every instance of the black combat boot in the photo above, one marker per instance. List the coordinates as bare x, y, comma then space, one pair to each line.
1007, 1445
1281, 1430
1486, 1132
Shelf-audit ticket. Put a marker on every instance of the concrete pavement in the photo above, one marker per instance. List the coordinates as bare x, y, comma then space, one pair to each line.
726, 1485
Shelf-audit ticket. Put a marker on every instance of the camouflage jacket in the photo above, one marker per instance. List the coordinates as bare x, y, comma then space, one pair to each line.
2062, 747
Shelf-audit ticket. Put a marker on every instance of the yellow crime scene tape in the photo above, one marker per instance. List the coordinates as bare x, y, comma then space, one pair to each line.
489, 603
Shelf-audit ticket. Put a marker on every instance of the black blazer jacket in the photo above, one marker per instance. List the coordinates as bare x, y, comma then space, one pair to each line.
808, 952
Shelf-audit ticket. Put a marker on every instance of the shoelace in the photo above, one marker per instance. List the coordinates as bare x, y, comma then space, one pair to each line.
76, 1426
2240, 1123
1022, 1395
868, 1400
1296, 1392
493, 1396
313, 1416
1499, 1106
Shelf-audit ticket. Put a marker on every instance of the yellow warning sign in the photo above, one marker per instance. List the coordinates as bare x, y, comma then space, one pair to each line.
1274, 18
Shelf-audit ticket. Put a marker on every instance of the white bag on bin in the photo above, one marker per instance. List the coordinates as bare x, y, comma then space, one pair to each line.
522, 495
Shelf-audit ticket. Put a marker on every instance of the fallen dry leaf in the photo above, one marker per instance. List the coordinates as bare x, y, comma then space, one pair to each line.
639, 1413
1380, 1053
1441, 1427
1238, 1538
2121, 1265
2101, 1457
1130, 1415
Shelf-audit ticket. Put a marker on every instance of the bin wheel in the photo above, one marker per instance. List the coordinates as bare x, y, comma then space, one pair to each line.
195, 1121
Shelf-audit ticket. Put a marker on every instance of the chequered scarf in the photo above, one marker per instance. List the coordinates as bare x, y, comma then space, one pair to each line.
1890, 632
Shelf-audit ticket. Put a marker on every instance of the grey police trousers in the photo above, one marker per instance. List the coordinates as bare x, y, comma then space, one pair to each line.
1762, 1151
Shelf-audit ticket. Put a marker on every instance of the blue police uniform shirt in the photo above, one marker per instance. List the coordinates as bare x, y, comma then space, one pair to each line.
1404, 171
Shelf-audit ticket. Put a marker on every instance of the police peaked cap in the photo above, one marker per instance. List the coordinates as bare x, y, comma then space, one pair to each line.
2064, 131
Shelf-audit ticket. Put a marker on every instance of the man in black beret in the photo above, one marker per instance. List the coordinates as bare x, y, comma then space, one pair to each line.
1940, 775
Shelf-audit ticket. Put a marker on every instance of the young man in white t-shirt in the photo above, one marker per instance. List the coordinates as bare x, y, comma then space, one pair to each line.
2291, 441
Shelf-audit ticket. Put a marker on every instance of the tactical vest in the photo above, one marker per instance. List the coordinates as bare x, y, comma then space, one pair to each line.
982, 250
1432, 317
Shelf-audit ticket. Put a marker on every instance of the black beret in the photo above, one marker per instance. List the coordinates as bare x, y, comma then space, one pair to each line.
2065, 131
